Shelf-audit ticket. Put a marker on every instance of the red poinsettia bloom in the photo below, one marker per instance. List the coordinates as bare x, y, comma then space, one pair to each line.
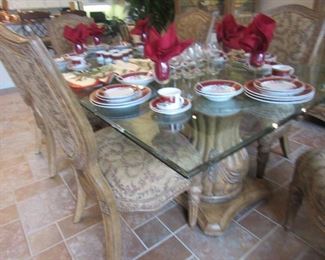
229, 32
161, 48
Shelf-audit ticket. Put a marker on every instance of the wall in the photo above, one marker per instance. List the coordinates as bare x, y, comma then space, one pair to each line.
6, 81
32, 4
267, 4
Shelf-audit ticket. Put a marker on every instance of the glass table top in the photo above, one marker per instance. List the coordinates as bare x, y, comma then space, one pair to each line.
210, 131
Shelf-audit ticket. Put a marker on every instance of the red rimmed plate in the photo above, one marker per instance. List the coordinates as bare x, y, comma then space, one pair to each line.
143, 96
279, 84
118, 92
218, 87
139, 78
252, 90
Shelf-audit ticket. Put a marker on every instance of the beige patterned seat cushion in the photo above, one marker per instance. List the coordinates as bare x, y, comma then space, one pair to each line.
139, 181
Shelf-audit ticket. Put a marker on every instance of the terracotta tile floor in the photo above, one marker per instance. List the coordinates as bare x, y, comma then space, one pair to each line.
36, 211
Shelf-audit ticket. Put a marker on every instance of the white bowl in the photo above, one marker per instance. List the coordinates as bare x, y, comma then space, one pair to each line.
137, 78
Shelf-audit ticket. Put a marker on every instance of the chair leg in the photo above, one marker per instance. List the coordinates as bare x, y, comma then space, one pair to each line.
110, 214
294, 203
284, 143
81, 199
51, 152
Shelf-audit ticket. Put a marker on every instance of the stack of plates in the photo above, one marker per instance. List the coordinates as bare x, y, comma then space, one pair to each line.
218, 90
278, 90
120, 96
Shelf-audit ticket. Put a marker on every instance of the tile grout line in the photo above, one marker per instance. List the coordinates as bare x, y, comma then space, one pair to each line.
44, 250
249, 211
22, 227
151, 218
158, 243
268, 218
66, 184
245, 229
258, 243
305, 242
10, 222
175, 235
133, 232
64, 240
153, 247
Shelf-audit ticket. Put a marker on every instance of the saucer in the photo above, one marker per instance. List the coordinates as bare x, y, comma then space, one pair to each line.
154, 106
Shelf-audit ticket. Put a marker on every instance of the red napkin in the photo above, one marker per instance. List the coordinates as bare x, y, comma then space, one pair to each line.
161, 48
258, 35
229, 32
77, 35
94, 30
140, 26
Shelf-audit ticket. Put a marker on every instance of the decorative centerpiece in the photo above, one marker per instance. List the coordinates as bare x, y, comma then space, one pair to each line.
96, 32
77, 36
254, 39
160, 48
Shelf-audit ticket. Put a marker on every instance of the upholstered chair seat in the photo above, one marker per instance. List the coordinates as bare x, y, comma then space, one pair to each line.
139, 181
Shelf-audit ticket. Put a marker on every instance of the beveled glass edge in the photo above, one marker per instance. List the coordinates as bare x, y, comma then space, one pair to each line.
204, 166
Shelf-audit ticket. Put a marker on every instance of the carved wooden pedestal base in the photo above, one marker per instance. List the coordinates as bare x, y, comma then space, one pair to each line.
214, 218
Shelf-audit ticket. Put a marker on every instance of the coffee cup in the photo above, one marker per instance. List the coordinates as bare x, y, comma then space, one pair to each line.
282, 70
170, 98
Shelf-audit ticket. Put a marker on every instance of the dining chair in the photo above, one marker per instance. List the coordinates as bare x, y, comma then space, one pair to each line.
124, 176
34, 23
56, 29
298, 35
297, 40
193, 24
309, 183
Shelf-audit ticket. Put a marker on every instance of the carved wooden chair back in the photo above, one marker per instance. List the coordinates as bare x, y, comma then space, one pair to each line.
56, 29
29, 64
33, 71
193, 24
124, 32
298, 35
34, 23
76, 12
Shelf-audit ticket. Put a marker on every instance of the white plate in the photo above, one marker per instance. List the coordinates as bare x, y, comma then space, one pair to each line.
279, 85
119, 92
278, 102
306, 93
186, 106
143, 97
138, 78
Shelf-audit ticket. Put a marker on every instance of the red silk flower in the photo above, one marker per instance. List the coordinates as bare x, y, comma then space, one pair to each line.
229, 32
161, 48
94, 30
77, 35
140, 26
258, 35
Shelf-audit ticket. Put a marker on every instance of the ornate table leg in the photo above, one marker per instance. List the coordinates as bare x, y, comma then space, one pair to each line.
225, 188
